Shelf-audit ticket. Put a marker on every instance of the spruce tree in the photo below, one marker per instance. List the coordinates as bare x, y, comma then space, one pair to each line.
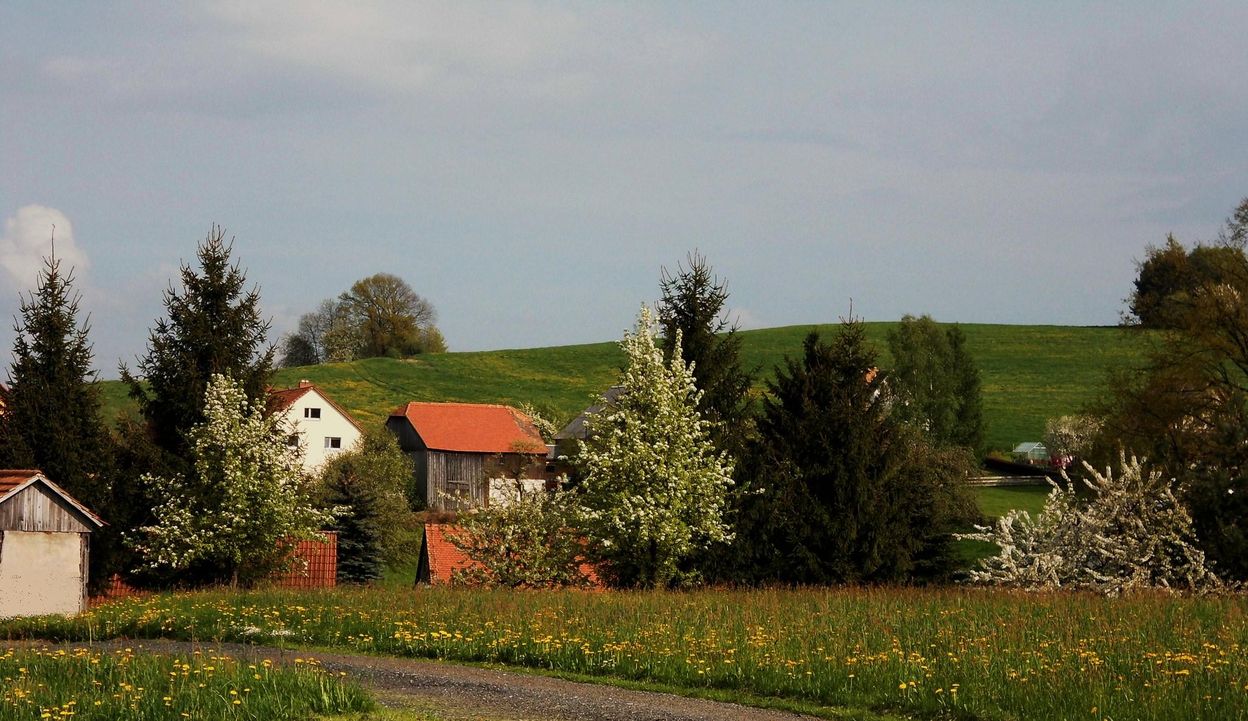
213, 326
839, 489
52, 412
936, 383
692, 308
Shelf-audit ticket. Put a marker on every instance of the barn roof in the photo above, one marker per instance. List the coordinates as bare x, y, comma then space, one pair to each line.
14, 481
579, 426
472, 428
282, 398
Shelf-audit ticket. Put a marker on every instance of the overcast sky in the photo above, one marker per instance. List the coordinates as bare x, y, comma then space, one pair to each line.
530, 167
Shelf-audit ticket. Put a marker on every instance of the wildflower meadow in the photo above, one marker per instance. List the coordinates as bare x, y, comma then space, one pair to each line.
944, 653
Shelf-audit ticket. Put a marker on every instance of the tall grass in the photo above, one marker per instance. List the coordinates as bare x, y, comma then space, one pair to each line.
964, 654
88, 684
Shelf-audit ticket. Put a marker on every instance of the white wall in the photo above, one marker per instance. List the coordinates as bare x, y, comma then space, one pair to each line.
41, 572
503, 490
312, 433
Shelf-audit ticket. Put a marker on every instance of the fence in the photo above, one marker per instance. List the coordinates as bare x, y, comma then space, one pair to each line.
314, 564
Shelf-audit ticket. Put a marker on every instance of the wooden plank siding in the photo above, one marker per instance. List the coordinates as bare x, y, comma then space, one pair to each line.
454, 481
35, 508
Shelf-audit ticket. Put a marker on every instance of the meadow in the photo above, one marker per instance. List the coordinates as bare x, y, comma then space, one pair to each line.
1029, 374
90, 684
926, 653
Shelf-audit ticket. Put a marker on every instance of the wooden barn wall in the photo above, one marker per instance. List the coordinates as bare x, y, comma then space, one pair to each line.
38, 509
454, 475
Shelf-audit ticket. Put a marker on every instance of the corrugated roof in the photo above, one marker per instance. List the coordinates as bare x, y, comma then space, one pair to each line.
472, 428
13, 480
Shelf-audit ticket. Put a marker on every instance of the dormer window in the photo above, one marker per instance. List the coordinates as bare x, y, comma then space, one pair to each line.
312, 414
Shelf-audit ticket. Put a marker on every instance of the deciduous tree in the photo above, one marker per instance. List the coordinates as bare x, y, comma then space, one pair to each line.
654, 487
247, 498
391, 318
935, 382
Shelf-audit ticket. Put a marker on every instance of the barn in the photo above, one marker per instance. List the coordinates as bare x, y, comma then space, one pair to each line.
44, 541
469, 455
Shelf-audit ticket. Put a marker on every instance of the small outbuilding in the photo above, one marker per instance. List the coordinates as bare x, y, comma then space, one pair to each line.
44, 545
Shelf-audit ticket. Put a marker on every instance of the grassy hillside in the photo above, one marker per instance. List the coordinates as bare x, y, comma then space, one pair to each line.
1030, 373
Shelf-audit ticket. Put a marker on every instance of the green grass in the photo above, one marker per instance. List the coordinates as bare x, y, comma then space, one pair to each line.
1029, 373
996, 502
939, 653
89, 684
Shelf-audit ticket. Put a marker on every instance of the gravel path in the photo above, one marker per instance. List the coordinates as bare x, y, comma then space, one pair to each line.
469, 693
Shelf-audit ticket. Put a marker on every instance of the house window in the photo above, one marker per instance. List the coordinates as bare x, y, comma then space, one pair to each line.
332, 442
312, 414
292, 440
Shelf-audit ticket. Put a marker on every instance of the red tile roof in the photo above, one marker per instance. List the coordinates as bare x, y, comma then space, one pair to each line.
472, 428
282, 398
442, 555
442, 558
12, 479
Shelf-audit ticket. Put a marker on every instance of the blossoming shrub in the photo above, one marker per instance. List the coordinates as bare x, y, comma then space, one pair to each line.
1131, 533
654, 488
246, 498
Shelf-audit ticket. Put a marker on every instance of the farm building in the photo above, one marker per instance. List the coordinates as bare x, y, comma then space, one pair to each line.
318, 425
44, 544
577, 430
468, 455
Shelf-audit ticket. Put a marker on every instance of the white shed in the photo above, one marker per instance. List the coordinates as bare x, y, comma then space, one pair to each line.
44, 544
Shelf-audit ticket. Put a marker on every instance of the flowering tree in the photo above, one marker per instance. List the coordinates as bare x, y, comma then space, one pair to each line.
654, 485
1069, 437
1132, 533
529, 542
245, 499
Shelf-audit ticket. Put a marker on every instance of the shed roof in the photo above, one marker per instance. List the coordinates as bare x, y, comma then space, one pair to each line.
282, 398
439, 556
1029, 447
472, 428
15, 480
579, 426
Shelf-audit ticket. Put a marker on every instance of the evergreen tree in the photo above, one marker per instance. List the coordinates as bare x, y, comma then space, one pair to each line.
840, 490
654, 487
214, 327
692, 309
375, 526
935, 382
52, 417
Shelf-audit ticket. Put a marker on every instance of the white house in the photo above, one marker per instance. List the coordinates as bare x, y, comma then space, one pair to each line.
321, 427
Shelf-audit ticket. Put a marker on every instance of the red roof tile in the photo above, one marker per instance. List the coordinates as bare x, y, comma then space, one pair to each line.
444, 558
282, 398
472, 428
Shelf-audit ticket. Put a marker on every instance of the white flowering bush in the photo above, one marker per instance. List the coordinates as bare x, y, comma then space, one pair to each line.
247, 497
1068, 437
654, 489
1132, 532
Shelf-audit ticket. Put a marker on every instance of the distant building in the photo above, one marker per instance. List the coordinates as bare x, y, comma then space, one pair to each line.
1032, 452
469, 455
317, 424
44, 546
577, 430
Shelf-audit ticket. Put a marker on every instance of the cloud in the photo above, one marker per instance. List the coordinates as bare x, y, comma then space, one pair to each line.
26, 242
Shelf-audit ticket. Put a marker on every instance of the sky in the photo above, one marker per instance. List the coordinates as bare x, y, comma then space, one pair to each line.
530, 168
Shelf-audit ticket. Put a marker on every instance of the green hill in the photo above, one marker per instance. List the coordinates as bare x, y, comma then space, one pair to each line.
1030, 373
